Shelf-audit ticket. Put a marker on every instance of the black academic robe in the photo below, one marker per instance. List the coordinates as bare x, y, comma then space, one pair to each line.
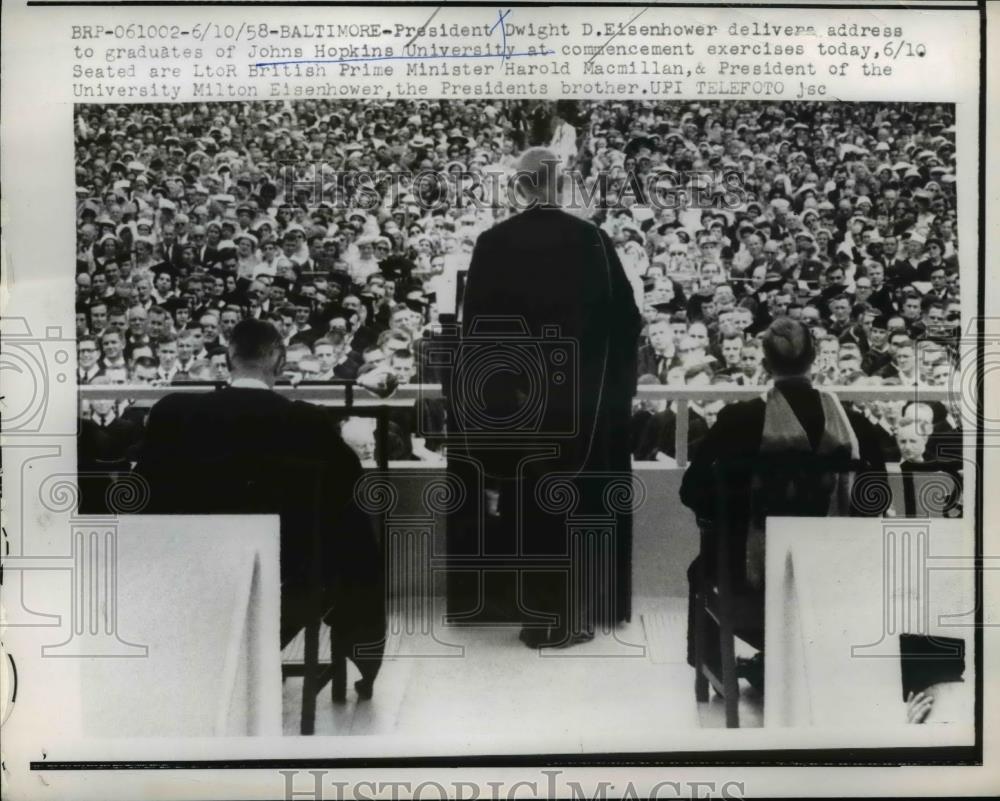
737, 435
543, 384
736, 438
252, 451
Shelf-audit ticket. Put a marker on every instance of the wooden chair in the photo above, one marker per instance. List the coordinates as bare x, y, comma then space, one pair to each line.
724, 598
311, 599
723, 593
316, 674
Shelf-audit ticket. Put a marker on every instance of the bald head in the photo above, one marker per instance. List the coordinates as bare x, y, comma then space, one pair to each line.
538, 175
256, 350
788, 348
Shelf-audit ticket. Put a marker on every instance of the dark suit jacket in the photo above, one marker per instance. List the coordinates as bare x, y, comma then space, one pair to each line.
648, 363
881, 299
875, 360
902, 272
347, 369
926, 267
252, 451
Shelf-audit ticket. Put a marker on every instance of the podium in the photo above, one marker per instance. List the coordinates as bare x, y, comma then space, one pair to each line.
195, 627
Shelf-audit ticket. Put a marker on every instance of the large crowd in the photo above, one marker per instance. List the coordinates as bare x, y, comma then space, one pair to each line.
191, 217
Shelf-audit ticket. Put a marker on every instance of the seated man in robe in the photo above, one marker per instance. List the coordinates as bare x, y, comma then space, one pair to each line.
246, 449
930, 444
826, 458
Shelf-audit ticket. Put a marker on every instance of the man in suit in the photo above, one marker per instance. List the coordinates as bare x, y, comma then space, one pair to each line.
906, 270
658, 355
730, 351
88, 358
546, 278
113, 351
881, 293
657, 440
940, 291
797, 429
245, 449
98, 314
109, 436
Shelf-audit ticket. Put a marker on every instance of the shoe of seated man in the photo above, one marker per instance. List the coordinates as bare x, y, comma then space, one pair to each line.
533, 637
568, 641
553, 637
752, 669
559, 637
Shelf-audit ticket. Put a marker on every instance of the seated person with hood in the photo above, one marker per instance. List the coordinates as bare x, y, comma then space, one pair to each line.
798, 445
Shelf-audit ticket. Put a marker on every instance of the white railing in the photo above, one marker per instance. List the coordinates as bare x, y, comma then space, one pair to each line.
361, 402
345, 394
682, 396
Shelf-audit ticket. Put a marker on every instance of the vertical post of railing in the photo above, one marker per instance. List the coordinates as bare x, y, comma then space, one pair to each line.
382, 437
681, 433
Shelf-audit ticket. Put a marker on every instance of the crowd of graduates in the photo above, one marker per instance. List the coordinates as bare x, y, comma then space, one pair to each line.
325, 219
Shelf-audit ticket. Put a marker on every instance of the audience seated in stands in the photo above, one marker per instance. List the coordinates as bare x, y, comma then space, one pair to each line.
185, 225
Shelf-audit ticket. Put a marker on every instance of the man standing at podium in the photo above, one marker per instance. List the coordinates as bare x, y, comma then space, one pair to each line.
542, 392
245, 449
